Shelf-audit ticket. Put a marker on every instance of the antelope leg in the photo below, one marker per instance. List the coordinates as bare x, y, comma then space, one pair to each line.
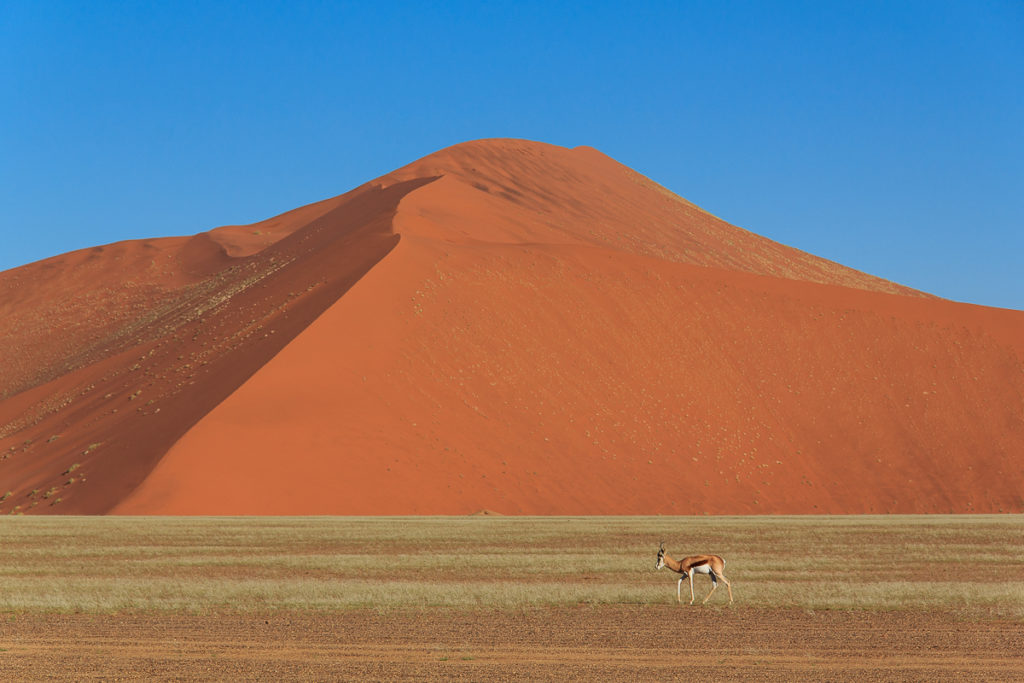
713, 587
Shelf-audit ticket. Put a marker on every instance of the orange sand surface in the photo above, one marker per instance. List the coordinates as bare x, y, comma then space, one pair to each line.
555, 644
502, 325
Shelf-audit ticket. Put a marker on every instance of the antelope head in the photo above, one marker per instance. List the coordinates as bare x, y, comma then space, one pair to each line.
661, 557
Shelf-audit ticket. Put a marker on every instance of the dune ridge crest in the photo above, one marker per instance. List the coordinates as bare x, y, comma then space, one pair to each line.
506, 326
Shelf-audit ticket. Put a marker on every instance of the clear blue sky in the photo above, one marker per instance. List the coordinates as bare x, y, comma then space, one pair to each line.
888, 136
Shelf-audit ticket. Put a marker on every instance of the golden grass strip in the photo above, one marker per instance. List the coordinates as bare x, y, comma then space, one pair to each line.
104, 564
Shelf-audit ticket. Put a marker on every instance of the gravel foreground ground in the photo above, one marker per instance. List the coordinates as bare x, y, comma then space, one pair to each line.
558, 643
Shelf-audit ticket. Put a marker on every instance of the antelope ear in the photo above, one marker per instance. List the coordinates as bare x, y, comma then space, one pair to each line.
662, 546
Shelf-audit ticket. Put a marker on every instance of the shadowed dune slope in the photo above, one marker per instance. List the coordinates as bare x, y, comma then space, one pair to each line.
115, 352
502, 325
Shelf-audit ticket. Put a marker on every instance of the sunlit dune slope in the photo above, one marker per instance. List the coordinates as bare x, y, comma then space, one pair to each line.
509, 326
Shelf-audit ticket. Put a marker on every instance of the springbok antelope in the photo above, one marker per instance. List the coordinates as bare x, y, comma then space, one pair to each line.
712, 565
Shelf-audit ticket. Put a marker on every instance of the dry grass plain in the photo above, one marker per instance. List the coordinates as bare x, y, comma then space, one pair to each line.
870, 598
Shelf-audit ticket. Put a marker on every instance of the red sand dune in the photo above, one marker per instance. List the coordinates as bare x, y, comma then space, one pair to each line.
502, 325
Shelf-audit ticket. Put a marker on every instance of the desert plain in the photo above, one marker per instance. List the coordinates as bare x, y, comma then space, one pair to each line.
884, 598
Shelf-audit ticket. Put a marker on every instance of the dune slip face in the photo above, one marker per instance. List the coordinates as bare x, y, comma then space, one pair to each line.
506, 326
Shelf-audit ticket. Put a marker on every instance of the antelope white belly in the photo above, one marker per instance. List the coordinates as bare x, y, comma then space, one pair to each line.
703, 569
